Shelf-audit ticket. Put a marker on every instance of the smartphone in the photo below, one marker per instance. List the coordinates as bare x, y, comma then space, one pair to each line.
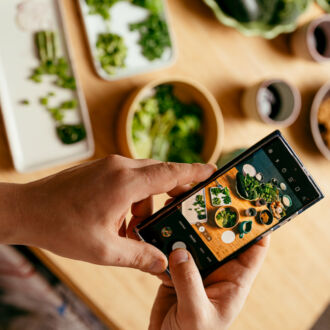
254, 194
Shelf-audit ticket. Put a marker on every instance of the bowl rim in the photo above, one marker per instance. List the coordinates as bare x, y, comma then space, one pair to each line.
224, 207
268, 222
138, 95
311, 26
252, 31
318, 98
296, 102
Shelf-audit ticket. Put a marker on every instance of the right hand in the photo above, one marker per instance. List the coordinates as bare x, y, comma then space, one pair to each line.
184, 303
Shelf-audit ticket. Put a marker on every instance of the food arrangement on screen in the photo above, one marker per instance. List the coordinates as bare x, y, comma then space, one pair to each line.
239, 205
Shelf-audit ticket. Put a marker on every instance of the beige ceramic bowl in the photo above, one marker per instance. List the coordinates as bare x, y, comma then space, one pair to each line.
186, 90
220, 209
321, 95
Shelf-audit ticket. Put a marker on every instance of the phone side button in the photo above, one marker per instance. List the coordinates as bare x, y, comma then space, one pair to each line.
276, 227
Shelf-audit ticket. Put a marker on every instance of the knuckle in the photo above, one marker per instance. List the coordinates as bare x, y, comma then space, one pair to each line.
112, 160
189, 277
138, 260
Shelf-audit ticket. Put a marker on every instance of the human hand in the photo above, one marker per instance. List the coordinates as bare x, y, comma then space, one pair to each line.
191, 306
80, 213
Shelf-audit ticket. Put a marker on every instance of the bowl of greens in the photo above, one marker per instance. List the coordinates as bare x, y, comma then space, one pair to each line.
226, 217
325, 4
172, 119
267, 19
249, 188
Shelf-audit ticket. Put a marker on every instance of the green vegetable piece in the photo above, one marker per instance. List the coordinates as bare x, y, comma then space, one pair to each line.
154, 6
101, 7
43, 100
70, 134
71, 104
111, 52
25, 102
154, 36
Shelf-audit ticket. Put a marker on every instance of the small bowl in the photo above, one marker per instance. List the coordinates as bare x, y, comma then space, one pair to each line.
254, 102
321, 95
271, 217
186, 90
232, 208
304, 40
252, 29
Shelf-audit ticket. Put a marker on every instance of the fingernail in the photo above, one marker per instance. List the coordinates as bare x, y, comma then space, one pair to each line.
157, 266
213, 166
179, 256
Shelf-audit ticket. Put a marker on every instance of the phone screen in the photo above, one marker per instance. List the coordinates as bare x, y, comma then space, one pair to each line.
240, 205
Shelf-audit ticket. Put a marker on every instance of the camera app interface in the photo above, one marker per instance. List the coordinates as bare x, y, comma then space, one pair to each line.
241, 204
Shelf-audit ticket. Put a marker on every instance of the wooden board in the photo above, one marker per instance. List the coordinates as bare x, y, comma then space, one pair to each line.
219, 248
291, 290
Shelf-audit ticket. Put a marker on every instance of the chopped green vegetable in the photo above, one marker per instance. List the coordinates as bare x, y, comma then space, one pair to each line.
50, 63
200, 207
167, 129
51, 94
101, 7
44, 100
154, 36
70, 134
111, 52
154, 6
25, 102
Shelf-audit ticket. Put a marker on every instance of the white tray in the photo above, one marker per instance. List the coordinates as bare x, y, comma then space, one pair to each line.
187, 208
122, 14
30, 129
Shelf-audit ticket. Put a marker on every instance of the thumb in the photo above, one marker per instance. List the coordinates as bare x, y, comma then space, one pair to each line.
139, 255
187, 282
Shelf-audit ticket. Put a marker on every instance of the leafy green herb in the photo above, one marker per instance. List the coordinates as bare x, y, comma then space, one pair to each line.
70, 134
25, 102
154, 36
154, 6
250, 188
111, 52
216, 201
101, 7
51, 94
167, 129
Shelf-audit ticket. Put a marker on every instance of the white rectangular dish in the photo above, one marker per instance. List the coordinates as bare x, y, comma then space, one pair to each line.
31, 130
122, 15
193, 212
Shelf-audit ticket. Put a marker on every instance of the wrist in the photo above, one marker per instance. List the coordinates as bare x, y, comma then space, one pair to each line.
11, 213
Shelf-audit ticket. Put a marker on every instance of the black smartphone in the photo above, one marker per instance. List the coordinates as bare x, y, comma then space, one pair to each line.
256, 193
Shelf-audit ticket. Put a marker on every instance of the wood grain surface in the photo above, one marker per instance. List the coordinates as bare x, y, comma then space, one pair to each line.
292, 288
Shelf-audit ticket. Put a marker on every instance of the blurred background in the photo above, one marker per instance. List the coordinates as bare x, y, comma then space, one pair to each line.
103, 60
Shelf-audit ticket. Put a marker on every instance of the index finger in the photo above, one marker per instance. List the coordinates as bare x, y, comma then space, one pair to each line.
164, 177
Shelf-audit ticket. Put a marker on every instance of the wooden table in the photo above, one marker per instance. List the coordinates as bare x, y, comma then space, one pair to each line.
292, 288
